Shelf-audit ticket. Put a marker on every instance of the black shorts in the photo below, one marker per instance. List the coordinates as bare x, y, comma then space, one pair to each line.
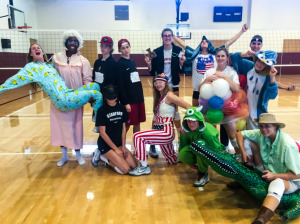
196, 95
175, 89
104, 150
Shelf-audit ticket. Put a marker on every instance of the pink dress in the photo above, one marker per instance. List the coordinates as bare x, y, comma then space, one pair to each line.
67, 126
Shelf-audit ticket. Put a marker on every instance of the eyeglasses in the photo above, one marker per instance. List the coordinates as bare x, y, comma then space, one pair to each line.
166, 36
72, 42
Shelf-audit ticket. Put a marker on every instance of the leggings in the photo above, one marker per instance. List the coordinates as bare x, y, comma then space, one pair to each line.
163, 137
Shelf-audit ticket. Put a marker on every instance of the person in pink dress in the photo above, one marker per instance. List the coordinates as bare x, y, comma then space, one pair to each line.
67, 127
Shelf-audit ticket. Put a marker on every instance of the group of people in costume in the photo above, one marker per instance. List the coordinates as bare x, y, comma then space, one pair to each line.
71, 83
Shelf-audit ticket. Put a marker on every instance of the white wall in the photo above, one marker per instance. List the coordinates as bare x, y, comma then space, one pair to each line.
275, 14
143, 14
93, 15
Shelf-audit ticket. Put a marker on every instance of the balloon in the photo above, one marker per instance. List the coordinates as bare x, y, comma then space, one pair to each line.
242, 112
214, 116
231, 106
240, 124
221, 87
229, 94
243, 80
215, 102
206, 91
203, 102
240, 96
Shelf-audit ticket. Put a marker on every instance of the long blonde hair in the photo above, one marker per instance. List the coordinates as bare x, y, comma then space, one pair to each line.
156, 93
29, 58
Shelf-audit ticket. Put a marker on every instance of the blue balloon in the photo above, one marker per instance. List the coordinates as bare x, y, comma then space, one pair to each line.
216, 102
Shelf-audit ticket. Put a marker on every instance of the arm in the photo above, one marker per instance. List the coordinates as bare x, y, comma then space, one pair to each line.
237, 36
124, 137
121, 83
291, 87
269, 176
272, 89
86, 72
179, 42
173, 99
240, 142
242, 66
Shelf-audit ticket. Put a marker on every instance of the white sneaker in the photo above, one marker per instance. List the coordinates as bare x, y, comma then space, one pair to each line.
96, 157
140, 170
202, 179
96, 129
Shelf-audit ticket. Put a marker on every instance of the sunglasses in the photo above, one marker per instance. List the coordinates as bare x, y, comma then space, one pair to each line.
72, 42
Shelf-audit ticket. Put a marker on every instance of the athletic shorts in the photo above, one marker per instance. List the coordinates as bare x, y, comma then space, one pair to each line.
104, 150
196, 95
137, 114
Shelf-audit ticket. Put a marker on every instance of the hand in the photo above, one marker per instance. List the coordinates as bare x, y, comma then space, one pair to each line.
182, 59
247, 54
125, 152
246, 159
148, 61
181, 131
128, 108
245, 28
290, 87
119, 152
211, 78
273, 71
92, 100
268, 176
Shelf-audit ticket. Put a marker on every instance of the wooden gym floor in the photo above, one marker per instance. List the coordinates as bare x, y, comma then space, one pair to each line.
34, 190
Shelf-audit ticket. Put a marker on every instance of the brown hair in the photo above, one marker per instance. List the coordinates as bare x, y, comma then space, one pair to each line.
29, 58
223, 49
156, 93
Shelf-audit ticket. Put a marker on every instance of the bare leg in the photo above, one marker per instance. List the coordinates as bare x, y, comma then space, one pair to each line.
117, 161
195, 103
136, 128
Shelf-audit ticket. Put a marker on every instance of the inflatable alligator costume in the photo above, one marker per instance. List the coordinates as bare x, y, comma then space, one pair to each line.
226, 165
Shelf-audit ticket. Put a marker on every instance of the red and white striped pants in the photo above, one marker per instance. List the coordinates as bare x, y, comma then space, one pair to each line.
163, 137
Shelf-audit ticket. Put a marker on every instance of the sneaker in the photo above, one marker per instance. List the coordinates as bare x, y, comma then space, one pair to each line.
152, 151
202, 179
104, 159
96, 157
140, 170
96, 129
94, 118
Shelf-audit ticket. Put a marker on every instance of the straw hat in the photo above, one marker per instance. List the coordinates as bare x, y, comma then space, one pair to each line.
266, 118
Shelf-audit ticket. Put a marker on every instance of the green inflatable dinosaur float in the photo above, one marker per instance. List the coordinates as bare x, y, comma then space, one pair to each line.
226, 165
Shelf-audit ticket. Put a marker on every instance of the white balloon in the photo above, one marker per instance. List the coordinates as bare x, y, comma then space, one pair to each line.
228, 95
220, 87
206, 91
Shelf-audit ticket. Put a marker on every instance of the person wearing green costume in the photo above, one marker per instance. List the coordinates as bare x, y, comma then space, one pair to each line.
196, 128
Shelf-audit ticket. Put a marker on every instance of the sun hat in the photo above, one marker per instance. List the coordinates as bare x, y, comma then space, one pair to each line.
267, 118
